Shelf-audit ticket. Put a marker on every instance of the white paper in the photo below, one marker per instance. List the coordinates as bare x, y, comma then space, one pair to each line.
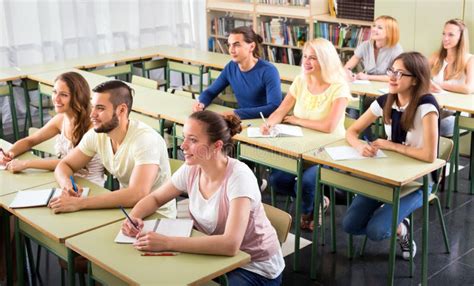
3, 167
31, 198
175, 227
166, 226
361, 81
57, 193
349, 153
279, 130
148, 225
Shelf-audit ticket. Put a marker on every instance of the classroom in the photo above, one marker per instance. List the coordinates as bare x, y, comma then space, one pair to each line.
236, 142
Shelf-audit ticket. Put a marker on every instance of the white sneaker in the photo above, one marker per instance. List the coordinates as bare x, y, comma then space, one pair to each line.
264, 185
404, 241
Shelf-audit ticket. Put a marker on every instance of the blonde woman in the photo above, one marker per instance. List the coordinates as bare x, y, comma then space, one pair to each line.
377, 53
318, 98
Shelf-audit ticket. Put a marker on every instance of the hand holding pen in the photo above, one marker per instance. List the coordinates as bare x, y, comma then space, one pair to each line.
74, 190
5, 157
131, 226
266, 128
367, 150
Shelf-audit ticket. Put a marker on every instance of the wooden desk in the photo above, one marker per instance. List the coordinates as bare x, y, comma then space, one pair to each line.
121, 264
283, 153
51, 231
385, 179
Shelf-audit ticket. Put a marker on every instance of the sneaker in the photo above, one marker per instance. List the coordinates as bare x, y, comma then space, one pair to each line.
404, 241
307, 223
264, 185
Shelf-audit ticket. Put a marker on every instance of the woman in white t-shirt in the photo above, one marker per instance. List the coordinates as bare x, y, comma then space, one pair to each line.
410, 116
224, 202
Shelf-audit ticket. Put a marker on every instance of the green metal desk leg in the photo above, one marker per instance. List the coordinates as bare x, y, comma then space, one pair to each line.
70, 267
472, 163
5, 216
333, 219
456, 151
350, 238
90, 281
13, 111
314, 245
299, 186
426, 213
393, 238
20, 253
453, 171
175, 140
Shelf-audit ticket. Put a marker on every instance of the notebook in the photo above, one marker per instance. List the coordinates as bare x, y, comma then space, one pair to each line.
164, 226
38, 198
279, 130
349, 153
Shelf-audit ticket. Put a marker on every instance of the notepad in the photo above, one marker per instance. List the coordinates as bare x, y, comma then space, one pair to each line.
164, 226
38, 198
349, 153
279, 130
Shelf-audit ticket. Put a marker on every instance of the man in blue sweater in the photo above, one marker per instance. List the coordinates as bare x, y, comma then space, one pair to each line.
255, 82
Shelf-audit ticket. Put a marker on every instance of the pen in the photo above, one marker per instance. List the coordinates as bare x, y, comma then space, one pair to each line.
263, 118
128, 217
159, 253
366, 139
74, 186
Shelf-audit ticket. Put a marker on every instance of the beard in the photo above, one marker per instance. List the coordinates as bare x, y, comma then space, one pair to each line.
108, 126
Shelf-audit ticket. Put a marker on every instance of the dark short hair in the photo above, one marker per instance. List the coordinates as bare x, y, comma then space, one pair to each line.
119, 92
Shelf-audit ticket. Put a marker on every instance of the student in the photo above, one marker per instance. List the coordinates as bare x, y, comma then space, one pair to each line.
377, 53
410, 116
131, 151
318, 98
255, 82
71, 98
224, 203
452, 67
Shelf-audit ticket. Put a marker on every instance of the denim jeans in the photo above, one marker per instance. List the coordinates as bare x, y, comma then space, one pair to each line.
446, 127
241, 276
373, 218
285, 183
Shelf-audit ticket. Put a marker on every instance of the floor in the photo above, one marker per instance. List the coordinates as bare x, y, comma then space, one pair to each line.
455, 268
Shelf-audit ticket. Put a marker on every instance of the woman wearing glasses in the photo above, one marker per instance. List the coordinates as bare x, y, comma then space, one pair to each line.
452, 67
410, 116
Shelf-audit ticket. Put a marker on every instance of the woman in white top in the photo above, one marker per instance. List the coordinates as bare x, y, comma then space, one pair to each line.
452, 67
71, 99
224, 202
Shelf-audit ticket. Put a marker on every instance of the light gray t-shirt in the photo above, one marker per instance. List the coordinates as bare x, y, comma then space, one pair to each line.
365, 52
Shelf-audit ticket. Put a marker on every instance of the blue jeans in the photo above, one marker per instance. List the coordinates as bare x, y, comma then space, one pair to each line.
365, 216
285, 183
241, 276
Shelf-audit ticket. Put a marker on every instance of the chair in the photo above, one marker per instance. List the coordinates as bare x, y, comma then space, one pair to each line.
45, 146
190, 70
175, 164
180, 92
227, 96
7, 91
145, 82
44, 100
285, 87
280, 220
115, 71
147, 66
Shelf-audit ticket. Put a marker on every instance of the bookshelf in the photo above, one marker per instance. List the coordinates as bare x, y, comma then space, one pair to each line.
285, 25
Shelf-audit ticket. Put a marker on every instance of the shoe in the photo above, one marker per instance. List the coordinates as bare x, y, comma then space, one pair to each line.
307, 223
264, 185
404, 241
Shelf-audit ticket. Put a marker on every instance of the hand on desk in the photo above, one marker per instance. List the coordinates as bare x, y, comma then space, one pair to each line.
16, 166
131, 230
197, 106
151, 241
362, 75
291, 119
266, 129
5, 157
65, 204
434, 87
367, 150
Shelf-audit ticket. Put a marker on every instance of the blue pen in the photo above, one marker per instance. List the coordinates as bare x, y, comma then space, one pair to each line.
74, 186
367, 139
128, 217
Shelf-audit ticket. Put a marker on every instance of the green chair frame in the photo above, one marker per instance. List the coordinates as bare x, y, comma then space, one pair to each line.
190, 70
7, 91
147, 66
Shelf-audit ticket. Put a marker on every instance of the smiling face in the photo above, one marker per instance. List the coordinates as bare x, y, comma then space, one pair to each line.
61, 97
239, 50
378, 30
196, 146
310, 61
103, 116
403, 82
451, 36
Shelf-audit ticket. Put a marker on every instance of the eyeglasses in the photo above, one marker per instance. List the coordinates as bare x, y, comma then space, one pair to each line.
397, 74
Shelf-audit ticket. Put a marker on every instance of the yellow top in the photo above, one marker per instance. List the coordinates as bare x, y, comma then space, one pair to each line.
317, 106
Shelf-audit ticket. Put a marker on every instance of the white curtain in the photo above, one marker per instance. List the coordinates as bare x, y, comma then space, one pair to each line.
40, 31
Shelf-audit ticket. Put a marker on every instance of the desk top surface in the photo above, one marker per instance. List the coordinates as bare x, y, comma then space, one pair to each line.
125, 262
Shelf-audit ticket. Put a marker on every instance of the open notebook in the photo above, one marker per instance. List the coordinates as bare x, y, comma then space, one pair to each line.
279, 130
349, 153
38, 198
164, 226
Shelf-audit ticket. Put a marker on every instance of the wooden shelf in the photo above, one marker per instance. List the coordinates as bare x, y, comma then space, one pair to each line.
299, 12
238, 7
281, 46
218, 36
331, 19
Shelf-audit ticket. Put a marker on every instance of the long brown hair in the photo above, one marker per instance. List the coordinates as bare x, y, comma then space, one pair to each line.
462, 49
250, 37
417, 65
80, 103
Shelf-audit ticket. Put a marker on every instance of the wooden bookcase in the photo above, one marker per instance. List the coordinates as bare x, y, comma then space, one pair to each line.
284, 27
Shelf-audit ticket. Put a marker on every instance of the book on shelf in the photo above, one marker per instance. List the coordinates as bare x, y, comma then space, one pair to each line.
222, 26
280, 32
285, 2
341, 35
